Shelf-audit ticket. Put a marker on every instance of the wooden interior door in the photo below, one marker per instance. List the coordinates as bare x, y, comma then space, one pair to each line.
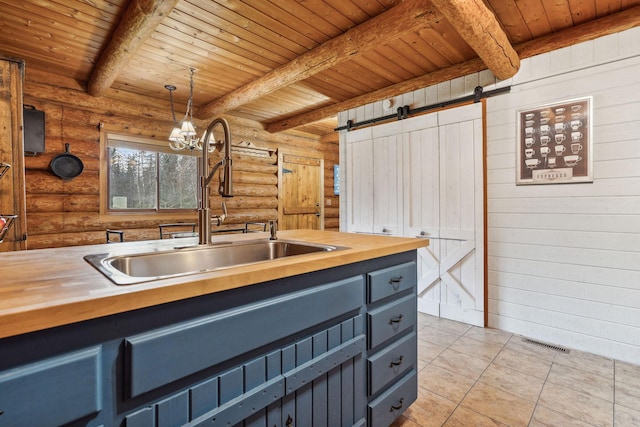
301, 192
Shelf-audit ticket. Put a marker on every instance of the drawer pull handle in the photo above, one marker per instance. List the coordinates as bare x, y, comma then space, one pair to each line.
397, 319
398, 363
395, 280
398, 407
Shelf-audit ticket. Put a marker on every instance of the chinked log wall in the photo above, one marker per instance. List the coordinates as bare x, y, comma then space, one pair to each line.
67, 213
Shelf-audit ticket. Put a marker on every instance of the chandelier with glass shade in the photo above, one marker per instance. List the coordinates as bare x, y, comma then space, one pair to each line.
183, 136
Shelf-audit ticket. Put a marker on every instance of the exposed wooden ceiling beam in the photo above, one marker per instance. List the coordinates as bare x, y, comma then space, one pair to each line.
480, 28
137, 24
392, 24
611, 24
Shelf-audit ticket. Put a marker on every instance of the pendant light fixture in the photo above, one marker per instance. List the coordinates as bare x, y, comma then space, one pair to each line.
183, 136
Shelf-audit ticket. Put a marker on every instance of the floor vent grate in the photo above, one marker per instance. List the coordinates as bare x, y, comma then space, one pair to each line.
550, 346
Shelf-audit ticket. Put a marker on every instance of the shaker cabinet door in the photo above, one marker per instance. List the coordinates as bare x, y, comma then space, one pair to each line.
54, 391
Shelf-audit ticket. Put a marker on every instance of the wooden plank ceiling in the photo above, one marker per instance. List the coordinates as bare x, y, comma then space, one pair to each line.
328, 55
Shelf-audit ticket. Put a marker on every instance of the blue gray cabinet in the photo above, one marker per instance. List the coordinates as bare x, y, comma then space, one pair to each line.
392, 342
329, 348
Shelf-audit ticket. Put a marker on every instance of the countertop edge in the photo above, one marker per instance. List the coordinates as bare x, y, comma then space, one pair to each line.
108, 299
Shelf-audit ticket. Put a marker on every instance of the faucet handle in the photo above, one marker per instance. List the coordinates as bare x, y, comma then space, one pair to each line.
220, 218
273, 228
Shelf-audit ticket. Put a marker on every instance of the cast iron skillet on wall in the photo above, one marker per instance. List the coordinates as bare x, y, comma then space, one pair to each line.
66, 165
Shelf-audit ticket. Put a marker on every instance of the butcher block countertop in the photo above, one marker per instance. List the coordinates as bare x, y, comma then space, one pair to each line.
45, 288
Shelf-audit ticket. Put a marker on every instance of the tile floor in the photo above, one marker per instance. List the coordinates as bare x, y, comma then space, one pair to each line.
469, 376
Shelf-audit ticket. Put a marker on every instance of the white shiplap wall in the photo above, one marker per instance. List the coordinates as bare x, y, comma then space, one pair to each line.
563, 260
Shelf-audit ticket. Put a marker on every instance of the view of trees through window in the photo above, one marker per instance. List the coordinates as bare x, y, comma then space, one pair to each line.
149, 180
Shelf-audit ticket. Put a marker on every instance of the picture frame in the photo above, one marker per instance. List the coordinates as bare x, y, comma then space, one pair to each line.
554, 143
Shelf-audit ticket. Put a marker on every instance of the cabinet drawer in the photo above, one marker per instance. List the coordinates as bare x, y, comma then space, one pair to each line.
157, 358
390, 281
391, 319
51, 392
393, 402
392, 362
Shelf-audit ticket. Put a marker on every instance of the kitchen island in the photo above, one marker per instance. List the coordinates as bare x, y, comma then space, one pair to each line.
317, 339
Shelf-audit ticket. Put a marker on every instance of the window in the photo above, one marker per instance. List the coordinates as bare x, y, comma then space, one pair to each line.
145, 175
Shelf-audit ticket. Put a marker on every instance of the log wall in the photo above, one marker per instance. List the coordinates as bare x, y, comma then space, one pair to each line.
67, 213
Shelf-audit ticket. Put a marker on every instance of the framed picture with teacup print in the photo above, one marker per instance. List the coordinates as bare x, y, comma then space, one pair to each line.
555, 143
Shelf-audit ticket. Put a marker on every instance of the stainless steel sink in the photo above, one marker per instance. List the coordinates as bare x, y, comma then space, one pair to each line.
142, 267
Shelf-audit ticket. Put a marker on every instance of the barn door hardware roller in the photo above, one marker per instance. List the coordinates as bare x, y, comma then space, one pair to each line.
405, 111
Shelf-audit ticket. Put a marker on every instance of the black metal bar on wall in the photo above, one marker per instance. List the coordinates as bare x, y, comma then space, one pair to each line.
404, 111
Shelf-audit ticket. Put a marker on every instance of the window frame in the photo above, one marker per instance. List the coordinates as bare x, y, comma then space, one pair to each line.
126, 140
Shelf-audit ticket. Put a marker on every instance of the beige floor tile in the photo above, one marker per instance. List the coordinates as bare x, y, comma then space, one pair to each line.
545, 417
438, 336
421, 327
427, 350
476, 348
511, 381
626, 417
499, 405
593, 363
461, 363
455, 363
525, 363
422, 364
576, 404
429, 409
464, 417
403, 421
452, 326
627, 383
490, 335
424, 319
518, 343
627, 373
627, 395
444, 382
427, 319
582, 381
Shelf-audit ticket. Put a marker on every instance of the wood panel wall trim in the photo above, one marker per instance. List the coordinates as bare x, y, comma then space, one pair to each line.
392, 24
12, 187
485, 213
600, 27
137, 24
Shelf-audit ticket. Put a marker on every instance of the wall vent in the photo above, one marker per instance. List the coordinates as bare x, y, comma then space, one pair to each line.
550, 346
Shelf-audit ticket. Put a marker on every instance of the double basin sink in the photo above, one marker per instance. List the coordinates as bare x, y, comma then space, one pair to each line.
134, 268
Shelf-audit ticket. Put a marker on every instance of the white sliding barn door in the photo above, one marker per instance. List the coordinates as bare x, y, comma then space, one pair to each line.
443, 187
461, 215
387, 179
360, 181
422, 177
374, 183
422, 204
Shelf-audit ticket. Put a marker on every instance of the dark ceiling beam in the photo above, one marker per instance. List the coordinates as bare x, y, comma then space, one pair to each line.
392, 24
479, 27
611, 24
139, 21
